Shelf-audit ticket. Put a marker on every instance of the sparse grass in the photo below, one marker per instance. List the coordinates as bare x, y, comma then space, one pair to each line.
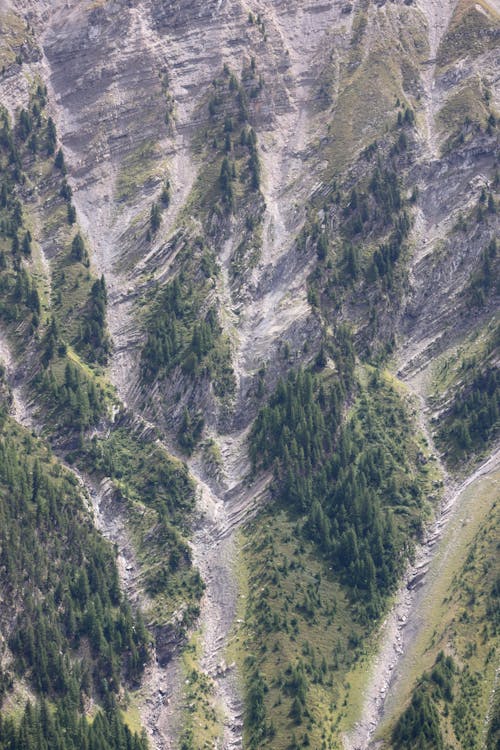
71, 287
454, 611
464, 112
277, 569
42, 283
139, 167
12, 35
131, 716
205, 189
203, 720
212, 458
472, 31
91, 372
247, 254
366, 100
15, 701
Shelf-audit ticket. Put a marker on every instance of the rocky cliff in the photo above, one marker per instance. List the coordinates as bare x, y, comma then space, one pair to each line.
251, 180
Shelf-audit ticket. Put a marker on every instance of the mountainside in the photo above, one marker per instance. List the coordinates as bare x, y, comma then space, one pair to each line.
249, 341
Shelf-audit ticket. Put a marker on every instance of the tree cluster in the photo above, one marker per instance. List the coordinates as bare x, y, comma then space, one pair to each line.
41, 728
419, 727
347, 480
176, 336
71, 632
473, 419
93, 333
75, 400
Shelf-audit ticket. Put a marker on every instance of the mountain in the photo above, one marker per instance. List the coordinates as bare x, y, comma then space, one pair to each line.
249, 385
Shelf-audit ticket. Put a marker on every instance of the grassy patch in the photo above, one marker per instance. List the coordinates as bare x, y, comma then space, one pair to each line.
202, 724
132, 718
473, 30
139, 167
13, 34
461, 618
283, 631
380, 68
465, 112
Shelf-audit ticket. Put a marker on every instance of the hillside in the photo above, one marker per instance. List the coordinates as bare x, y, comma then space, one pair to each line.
249, 373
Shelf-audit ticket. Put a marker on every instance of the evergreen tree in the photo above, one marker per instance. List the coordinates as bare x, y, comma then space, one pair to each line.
78, 251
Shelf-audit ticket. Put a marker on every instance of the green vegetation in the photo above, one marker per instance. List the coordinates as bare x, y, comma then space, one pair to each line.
230, 143
359, 488
182, 320
183, 331
79, 304
158, 496
93, 339
473, 419
454, 705
155, 218
190, 430
176, 336
469, 421
247, 253
298, 639
465, 114
201, 725
493, 736
349, 495
472, 31
17, 40
419, 726
361, 245
350, 477
78, 250
70, 632
20, 297
69, 391
361, 101
41, 727
69, 395
166, 193
229, 182
484, 281
139, 167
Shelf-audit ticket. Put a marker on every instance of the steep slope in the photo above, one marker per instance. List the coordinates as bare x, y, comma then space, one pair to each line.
68, 636
247, 192
464, 594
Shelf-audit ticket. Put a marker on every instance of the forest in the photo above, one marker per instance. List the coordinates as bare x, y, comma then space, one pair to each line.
354, 483
60, 577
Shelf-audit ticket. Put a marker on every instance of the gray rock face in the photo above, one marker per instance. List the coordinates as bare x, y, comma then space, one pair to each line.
115, 68
129, 85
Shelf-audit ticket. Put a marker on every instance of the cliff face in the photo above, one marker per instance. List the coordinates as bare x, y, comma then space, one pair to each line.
110, 62
130, 84
361, 144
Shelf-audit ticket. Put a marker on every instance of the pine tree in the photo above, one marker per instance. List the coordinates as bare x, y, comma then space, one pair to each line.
155, 218
78, 251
